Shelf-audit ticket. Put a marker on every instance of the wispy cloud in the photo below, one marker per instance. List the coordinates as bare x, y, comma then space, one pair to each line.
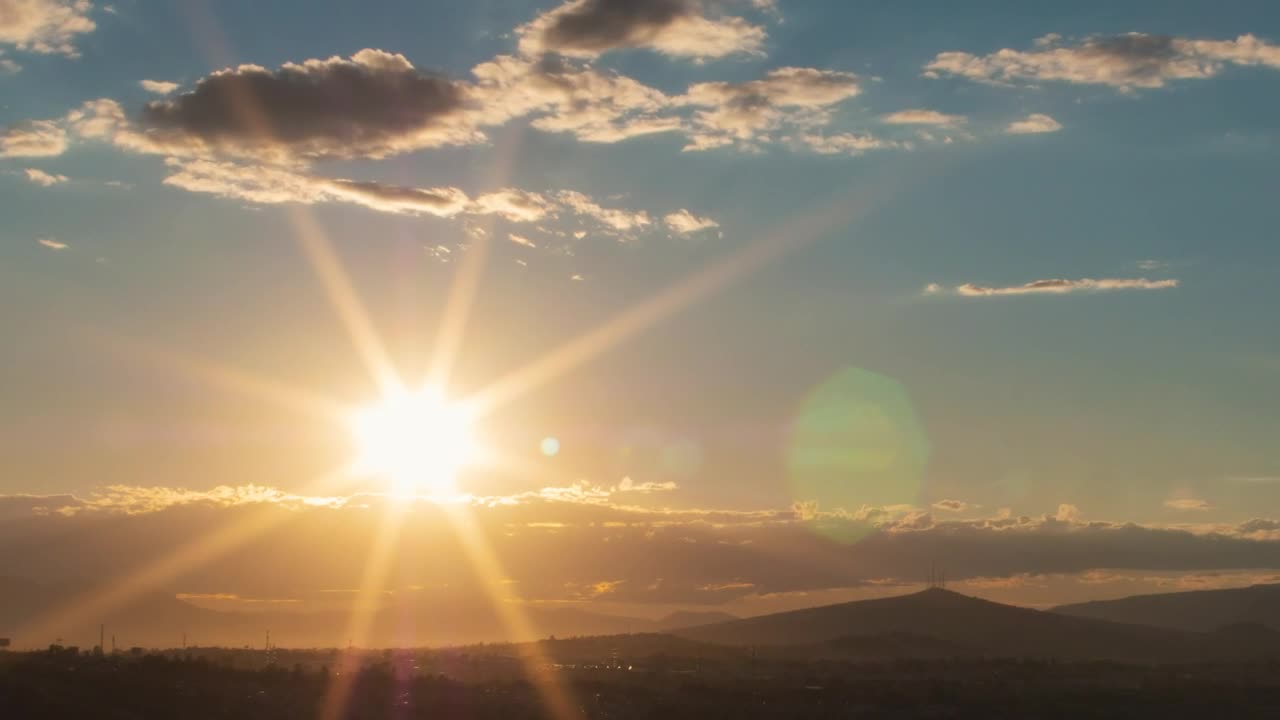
920, 116
1053, 286
1125, 62
53, 244
33, 138
159, 87
954, 506
40, 177
1187, 503
684, 222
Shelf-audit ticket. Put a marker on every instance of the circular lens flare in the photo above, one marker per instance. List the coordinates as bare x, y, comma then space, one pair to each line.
417, 440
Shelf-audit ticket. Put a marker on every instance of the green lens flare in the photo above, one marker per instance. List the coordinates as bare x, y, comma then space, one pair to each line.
857, 449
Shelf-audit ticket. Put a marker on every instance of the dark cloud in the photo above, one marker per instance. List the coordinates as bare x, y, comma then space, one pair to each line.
598, 25
586, 28
372, 104
585, 544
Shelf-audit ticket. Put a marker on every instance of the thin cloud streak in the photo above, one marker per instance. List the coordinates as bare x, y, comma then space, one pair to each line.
1054, 286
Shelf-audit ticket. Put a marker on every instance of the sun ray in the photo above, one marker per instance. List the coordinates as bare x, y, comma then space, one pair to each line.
366, 606
188, 556
676, 297
226, 376
343, 297
466, 281
541, 672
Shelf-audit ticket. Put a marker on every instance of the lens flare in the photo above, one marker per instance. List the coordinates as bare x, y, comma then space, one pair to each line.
857, 450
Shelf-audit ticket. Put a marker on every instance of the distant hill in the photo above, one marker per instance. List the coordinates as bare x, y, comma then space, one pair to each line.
1197, 610
937, 620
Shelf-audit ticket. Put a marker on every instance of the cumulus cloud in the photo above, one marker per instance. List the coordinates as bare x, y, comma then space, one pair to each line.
373, 104
159, 87
45, 26
1033, 124
1054, 286
679, 28
920, 116
592, 105
53, 244
1125, 62
40, 177
684, 222
747, 113
34, 138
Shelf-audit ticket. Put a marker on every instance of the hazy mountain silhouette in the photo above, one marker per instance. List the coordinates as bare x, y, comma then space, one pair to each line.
161, 620
929, 624
1197, 610
688, 619
939, 620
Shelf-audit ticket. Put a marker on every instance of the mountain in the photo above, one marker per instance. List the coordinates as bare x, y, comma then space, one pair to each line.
1197, 610
936, 620
688, 619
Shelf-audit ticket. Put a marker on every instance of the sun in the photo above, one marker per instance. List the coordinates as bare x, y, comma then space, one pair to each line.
416, 440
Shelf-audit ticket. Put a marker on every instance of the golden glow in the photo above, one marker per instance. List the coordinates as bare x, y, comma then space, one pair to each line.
417, 440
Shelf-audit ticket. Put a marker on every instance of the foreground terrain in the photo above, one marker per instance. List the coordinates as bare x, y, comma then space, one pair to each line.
61, 683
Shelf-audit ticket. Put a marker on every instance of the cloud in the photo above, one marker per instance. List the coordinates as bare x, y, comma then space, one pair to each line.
48, 27
514, 205
274, 185
592, 105
684, 222
521, 240
848, 143
923, 117
40, 177
555, 542
53, 244
33, 138
1033, 124
1055, 286
1125, 62
678, 28
613, 218
954, 506
373, 104
1187, 503
159, 87
748, 112
9, 67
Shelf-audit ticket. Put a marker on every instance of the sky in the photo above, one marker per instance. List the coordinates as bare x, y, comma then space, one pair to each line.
770, 302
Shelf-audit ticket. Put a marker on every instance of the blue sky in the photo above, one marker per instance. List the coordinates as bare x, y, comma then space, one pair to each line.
921, 168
